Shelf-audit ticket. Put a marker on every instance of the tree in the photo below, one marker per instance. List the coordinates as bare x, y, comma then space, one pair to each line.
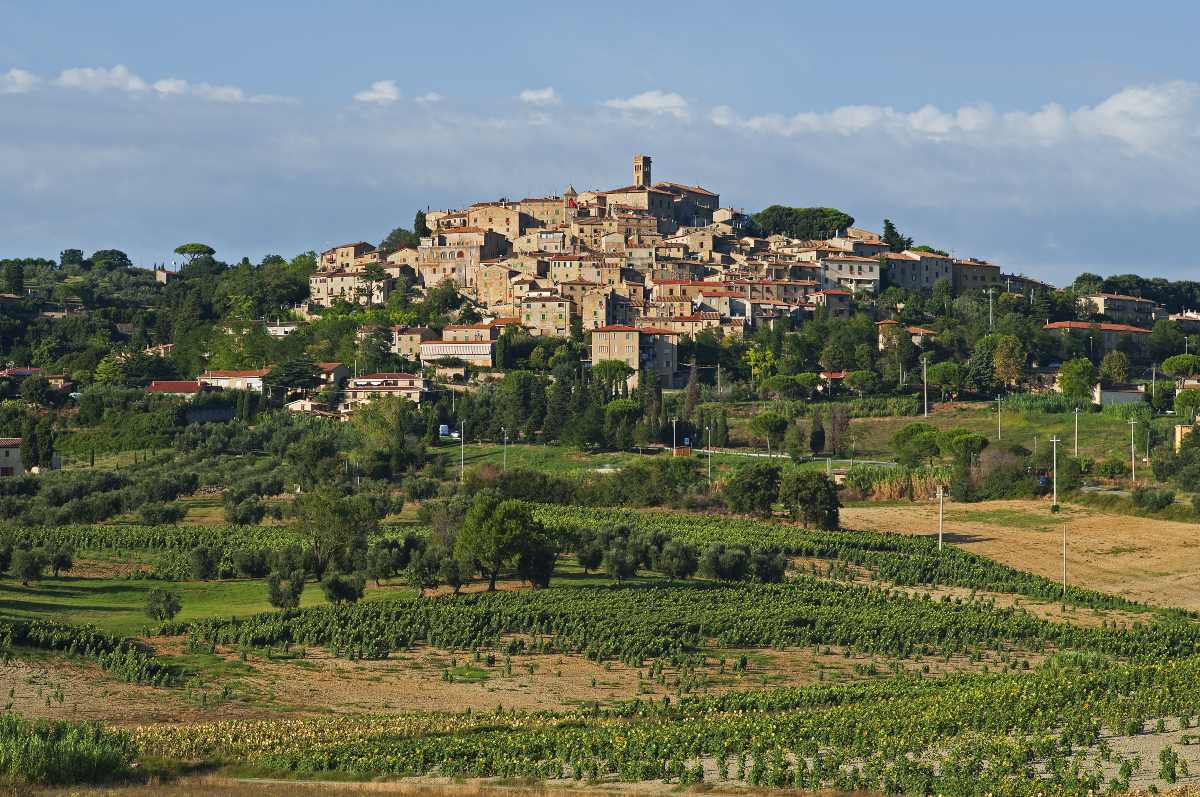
839, 429
816, 434
612, 375
811, 497
494, 533
202, 562
1187, 402
343, 587
1076, 378
892, 237
803, 223
424, 569
620, 561
14, 278
768, 565
769, 425
862, 382
297, 373
337, 528
162, 605
753, 488
948, 377
1114, 368
191, 251
915, 443
27, 565
691, 395
1008, 360
420, 227
1181, 365
677, 560
60, 559
37, 390
285, 588
726, 562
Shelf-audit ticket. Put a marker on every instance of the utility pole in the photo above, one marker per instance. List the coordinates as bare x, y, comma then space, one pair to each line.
673, 446
1054, 444
504, 460
708, 431
997, 417
1077, 432
1132, 452
989, 293
462, 450
925, 380
941, 513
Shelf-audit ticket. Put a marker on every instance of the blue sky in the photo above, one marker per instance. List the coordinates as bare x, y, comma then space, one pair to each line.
1050, 137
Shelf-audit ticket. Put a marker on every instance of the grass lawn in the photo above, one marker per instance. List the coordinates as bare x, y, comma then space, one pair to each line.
116, 604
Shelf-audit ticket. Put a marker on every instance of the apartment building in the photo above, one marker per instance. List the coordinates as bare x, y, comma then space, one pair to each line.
364, 389
1123, 309
1102, 335
455, 255
915, 270
851, 273
503, 218
325, 288
643, 349
970, 275
406, 341
546, 211
345, 256
547, 315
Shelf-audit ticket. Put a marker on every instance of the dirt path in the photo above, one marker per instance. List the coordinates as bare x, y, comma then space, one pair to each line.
1154, 561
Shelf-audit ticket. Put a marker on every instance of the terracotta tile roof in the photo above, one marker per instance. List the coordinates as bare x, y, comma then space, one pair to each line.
1083, 325
181, 386
259, 372
9, 442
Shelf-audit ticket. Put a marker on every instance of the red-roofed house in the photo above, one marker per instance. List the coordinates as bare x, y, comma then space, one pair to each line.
363, 389
235, 380
1104, 335
187, 389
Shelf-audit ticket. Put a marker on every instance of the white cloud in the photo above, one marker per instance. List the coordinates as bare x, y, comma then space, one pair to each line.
102, 78
428, 98
381, 92
652, 102
121, 78
1153, 119
540, 97
18, 81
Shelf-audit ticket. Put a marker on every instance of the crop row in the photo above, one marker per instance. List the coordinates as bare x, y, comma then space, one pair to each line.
634, 622
903, 560
972, 735
118, 655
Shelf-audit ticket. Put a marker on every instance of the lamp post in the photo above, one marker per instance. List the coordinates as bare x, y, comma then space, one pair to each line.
989, 293
673, 446
504, 456
997, 417
462, 450
1132, 452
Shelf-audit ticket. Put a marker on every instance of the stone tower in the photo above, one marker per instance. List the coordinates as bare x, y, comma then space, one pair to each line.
641, 171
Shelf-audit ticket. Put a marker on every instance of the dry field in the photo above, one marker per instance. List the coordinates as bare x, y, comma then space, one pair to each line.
1154, 561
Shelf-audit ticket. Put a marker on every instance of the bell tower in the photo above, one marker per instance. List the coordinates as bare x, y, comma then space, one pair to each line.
641, 171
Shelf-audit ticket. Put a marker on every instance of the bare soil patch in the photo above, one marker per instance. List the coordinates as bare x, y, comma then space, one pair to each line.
1153, 561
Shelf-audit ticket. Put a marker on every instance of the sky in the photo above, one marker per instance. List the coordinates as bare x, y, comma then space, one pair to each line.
1052, 138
